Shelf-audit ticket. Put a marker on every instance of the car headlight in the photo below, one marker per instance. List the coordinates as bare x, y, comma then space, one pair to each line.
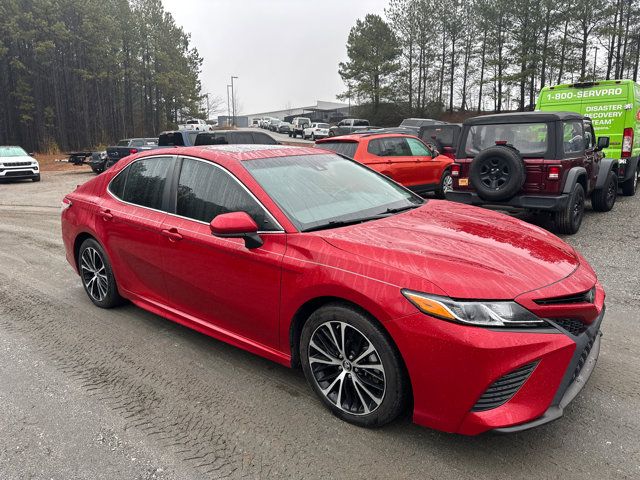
485, 314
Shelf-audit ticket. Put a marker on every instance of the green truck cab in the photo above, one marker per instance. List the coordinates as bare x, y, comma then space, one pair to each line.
614, 108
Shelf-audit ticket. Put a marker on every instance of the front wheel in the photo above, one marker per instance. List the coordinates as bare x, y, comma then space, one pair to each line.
353, 367
96, 274
36, 178
446, 184
569, 219
313, 137
603, 199
630, 187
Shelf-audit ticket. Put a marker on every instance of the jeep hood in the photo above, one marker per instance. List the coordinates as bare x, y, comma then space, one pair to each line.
466, 251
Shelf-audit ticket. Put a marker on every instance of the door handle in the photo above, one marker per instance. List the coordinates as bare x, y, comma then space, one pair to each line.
172, 234
106, 215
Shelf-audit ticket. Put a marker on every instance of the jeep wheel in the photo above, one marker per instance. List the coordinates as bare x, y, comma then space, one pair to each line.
630, 186
603, 199
497, 173
569, 219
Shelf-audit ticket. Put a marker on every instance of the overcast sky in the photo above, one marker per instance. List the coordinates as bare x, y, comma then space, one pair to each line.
285, 53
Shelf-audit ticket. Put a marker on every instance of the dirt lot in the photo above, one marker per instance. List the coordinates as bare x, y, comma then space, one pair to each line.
89, 393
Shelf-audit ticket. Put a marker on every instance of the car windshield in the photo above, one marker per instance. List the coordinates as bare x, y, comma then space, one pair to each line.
123, 143
326, 190
12, 152
413, 122
529, 139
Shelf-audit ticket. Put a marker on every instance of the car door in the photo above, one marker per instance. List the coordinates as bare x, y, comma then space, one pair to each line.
429, 168
402, 165
574, 147
130, 225
591, 156
218, 282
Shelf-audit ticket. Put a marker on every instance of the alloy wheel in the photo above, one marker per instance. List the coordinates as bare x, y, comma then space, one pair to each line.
94, 274
347, 368
447, 183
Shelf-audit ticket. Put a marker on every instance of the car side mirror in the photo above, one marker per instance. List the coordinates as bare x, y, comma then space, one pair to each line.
237, 225
603, 142
32, 154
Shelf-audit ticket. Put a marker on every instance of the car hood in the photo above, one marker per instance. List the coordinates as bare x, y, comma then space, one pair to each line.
22, 158
466, 251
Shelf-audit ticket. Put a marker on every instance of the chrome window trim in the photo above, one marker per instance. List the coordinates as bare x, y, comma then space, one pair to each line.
208, 162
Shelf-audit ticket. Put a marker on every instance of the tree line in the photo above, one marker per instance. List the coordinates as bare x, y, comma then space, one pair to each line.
79, 73
430, 56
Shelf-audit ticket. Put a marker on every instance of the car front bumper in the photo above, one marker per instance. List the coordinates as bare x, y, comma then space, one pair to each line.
552, 203
452, 367
17, 173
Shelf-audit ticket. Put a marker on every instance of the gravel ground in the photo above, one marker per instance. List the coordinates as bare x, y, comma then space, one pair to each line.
89, 393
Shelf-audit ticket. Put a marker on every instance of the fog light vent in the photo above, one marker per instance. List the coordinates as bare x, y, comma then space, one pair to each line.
501, 391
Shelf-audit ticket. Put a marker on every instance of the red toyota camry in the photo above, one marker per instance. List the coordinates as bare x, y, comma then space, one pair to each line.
476, 320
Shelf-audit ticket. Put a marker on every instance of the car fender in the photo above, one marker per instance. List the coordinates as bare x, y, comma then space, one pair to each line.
572, 178
606, 165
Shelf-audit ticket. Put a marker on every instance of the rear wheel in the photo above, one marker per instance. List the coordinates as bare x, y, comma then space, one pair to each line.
630, 186
352, 366
446, 184
97, 276
569, 219
603, 199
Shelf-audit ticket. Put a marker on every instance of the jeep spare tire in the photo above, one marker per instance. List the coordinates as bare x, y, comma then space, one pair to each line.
497, 173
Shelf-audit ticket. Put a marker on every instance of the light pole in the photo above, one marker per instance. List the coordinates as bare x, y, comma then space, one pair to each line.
228, 106
233, 102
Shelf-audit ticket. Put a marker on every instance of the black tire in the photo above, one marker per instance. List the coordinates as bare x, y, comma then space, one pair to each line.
103, 291
603, 199
497, 173
332, 133
630, 187
36, 178
446, 183
313, 137
347, 376
568, 221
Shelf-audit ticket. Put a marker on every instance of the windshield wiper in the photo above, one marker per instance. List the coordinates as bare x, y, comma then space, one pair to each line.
400, 209
342, 223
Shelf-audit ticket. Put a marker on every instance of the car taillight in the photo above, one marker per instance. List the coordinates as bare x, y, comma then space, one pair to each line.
627, 142
455, 170
554, 173
132, 151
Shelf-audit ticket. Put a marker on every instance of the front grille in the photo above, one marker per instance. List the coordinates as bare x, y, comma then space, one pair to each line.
19, 173
572, 325
583, 358
17, 164
584, 297
501, 391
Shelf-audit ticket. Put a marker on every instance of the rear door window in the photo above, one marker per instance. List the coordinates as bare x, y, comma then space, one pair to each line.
573, 137
345, 148
206, 191
390, 147
170, 139
143, 182
263, 139
241, 138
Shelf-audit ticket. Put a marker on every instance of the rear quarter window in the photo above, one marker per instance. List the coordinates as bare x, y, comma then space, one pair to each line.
344, 148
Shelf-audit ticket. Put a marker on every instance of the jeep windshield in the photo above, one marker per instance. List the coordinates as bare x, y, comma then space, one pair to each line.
530, 139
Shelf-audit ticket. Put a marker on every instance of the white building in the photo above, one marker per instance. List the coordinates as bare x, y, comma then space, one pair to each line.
320, 112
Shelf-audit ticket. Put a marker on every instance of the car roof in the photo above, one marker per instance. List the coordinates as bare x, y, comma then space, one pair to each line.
356, 137
523, 117
234, 153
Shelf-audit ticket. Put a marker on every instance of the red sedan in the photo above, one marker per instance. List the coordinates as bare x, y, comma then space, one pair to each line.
477, 320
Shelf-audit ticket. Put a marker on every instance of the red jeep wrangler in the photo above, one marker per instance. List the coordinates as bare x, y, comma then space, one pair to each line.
534, 161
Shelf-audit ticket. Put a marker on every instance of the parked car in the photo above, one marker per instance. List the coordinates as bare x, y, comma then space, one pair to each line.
443, 136
475, 320
413, 125
613, 107
196, 124
273, 125
316, 131
224, 137
298, 124
535, 161
403, 158
16, 164
349, 125
124, 148
178, 138
284, 127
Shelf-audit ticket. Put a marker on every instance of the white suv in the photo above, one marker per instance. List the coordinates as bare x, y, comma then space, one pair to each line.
16, 164
316, 131
298, 124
